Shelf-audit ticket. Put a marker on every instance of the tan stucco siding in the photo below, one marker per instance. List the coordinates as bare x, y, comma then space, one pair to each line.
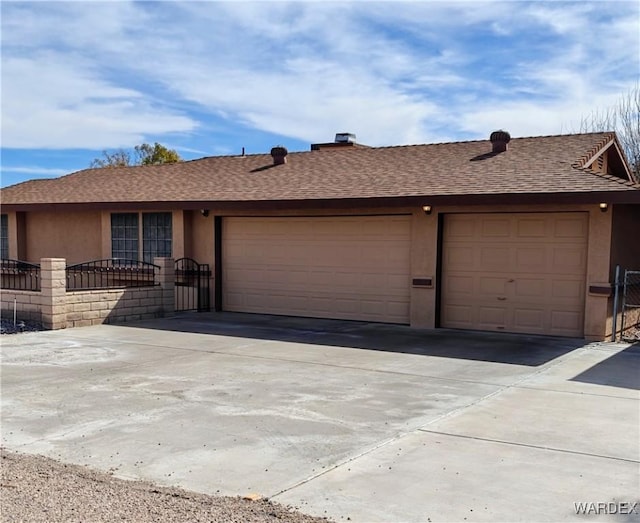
82, 236
201, 239
424, 242
73, 236
178, 234
625, 247
625, 251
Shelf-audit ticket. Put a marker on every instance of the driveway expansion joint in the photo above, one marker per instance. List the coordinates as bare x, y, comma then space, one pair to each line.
529, 445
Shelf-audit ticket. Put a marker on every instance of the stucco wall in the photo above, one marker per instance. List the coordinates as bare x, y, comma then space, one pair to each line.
200, 245
625, 243
201, 239
70, 233
625, 252
75, 236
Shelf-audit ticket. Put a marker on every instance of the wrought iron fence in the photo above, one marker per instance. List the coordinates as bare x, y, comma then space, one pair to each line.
110, 273
19, 275
630, 328
192, 285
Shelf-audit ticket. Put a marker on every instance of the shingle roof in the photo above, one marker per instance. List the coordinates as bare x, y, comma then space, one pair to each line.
538, 165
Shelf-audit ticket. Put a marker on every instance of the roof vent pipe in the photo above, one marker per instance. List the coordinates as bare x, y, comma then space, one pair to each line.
345, 138
279, 155
499, 140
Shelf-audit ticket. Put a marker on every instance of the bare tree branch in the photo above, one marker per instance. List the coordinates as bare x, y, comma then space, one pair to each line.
624, 119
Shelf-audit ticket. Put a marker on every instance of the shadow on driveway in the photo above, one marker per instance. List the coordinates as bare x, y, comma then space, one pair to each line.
621, 369
515, 349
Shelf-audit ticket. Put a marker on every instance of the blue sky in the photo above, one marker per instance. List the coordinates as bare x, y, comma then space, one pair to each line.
209, 78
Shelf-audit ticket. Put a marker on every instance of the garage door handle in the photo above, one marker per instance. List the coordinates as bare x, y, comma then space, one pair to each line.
501, 298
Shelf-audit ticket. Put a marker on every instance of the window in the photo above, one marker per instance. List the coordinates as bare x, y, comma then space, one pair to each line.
156, 235
4, 236
124, 236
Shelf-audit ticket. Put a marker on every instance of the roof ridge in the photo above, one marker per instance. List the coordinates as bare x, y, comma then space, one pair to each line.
478, 140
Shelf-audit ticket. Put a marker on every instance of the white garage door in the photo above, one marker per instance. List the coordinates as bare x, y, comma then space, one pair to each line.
325, 267
515, 272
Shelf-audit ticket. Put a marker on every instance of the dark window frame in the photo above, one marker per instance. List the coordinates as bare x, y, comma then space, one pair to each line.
141, 236
157, 235
4, 236
124, 236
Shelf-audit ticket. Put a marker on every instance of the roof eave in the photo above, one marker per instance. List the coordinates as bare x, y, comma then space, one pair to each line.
612, 197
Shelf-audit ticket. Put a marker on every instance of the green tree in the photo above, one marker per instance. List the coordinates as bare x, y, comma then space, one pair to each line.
623, 118
144, 154
154, 154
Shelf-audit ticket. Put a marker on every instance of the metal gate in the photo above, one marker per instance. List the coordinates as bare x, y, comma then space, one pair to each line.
630, 328
192, 285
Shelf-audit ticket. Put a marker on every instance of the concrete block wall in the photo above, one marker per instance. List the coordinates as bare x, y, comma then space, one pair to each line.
57, 309
85, 308
27, 303
53, 285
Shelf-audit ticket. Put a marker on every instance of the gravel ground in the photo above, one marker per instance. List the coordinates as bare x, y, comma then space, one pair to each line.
39, 489
7, 327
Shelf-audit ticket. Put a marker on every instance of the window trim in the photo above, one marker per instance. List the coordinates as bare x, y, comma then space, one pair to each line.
141, 242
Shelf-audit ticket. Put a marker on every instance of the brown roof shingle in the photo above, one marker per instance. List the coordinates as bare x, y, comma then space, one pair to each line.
531, 166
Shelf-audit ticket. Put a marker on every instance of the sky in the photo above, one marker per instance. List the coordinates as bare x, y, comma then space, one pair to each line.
210, 78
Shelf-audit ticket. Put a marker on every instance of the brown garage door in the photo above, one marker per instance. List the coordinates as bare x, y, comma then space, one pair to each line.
326, 267
515, 272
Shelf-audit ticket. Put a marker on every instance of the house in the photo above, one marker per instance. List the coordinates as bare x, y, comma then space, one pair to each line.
514, 235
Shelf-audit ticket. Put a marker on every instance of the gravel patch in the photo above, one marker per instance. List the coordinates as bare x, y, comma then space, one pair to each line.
7, 326
39, 489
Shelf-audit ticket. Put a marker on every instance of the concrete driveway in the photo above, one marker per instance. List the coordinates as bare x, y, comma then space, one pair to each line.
343, 419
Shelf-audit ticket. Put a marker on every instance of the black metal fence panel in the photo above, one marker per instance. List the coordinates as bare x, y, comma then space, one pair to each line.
192, 285
630, 328
19, 275
111, 273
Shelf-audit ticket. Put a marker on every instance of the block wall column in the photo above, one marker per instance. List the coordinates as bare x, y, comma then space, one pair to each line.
53, 284
167, 280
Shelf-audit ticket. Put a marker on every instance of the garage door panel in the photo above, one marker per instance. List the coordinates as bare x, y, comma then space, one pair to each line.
461, 284
394, 282
566, 321
330, 267
492, 316
530, 258
397, 309
459, 257
529, 319
496, 227
537, 271
571, 228
460, 316
569, 259
531, 228
573, 290
527, 288
373, 307
493, 286
494, 258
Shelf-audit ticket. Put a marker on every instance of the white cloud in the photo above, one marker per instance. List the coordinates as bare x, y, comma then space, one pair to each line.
38, 171
115, 73
60, 103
